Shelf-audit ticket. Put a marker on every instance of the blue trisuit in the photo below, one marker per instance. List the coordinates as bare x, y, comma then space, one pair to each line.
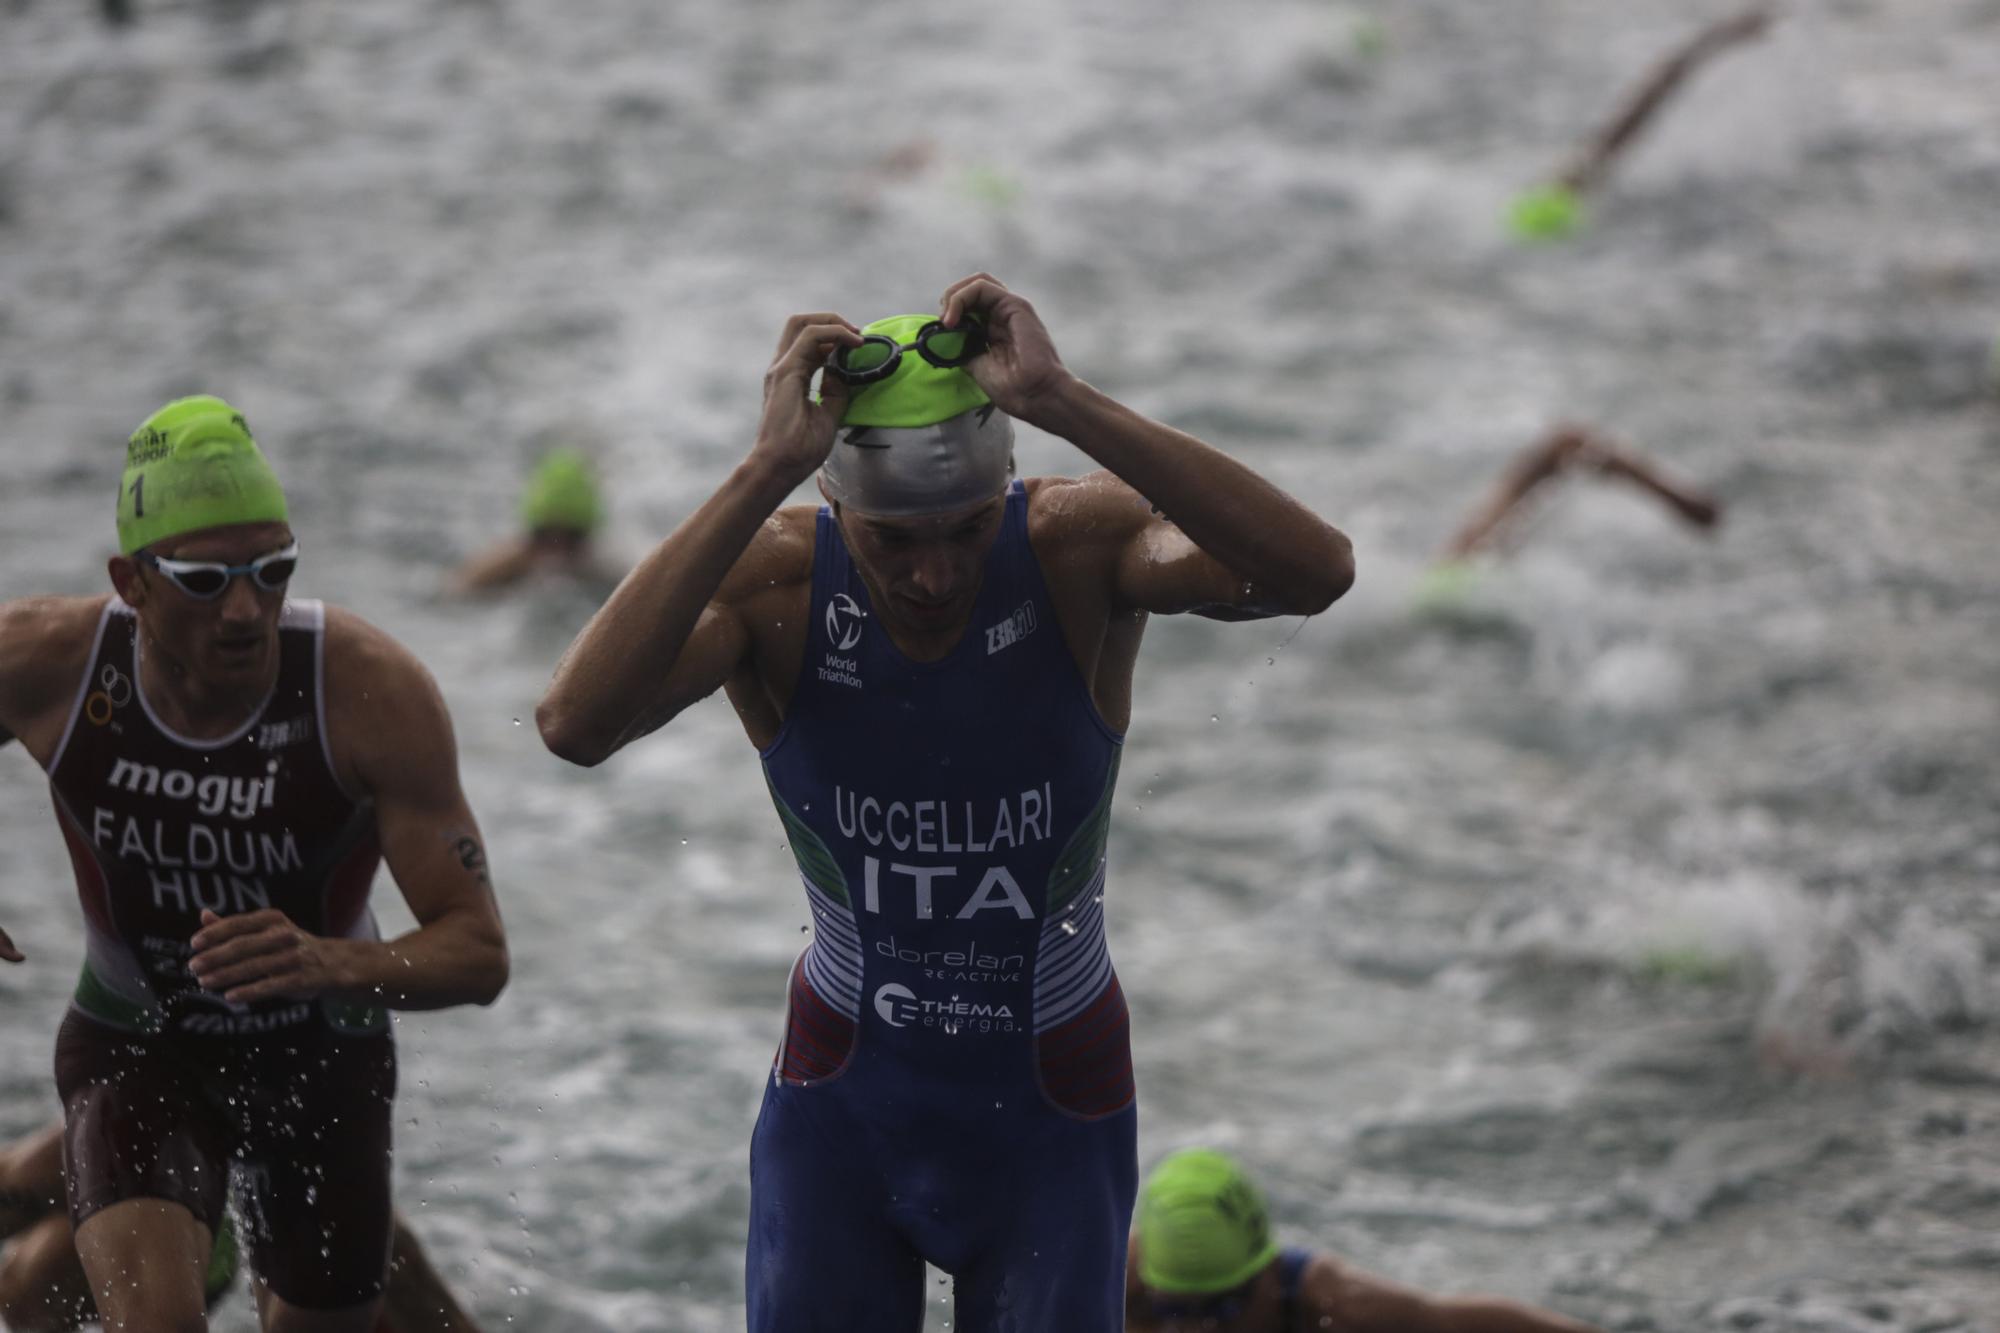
955, 1082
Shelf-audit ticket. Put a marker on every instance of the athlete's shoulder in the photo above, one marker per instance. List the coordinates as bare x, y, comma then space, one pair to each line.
45, 647
363, 657
385, 713
1095, 505
48, 636
1325, 1283
780, 554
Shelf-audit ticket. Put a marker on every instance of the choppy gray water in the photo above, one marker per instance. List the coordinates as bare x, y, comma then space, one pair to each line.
1496, 940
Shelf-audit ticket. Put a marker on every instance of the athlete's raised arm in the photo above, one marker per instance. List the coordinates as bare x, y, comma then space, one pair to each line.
675, 629
395, 746
1229, 540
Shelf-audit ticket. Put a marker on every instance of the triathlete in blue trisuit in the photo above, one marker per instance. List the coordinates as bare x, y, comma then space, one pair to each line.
936, 669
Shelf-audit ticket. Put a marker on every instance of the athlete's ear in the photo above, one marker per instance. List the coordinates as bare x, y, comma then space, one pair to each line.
124, 571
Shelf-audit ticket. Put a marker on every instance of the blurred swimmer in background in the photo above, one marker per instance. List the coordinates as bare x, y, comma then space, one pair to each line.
1202, 1257
562, 510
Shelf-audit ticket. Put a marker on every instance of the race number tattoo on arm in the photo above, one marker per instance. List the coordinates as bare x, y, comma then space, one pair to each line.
473, 857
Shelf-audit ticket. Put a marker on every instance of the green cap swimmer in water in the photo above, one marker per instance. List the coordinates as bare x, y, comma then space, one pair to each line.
562, 509
1202, 1225
1203, 1260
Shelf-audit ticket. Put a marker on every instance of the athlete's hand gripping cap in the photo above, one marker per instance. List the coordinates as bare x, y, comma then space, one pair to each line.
1202, 1225
193, 465
926, 440
562, 494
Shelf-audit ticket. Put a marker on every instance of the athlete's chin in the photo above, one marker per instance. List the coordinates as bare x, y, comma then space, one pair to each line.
931, 615
238, 658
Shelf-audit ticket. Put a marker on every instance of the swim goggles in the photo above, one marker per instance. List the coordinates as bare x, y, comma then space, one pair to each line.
207, 580
878, 355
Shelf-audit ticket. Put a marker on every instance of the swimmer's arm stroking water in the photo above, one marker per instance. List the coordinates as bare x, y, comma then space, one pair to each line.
1563, 448
1595, 159
680, 624
395, 746
1692, 504
45, 643
1229, 540
1540, 462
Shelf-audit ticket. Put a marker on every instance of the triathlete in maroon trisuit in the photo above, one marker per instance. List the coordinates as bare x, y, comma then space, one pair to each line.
228, 768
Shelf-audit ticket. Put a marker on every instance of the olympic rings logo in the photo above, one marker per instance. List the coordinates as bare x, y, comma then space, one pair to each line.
114, 693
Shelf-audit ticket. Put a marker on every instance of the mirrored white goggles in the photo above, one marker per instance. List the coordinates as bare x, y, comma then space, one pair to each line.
206, 580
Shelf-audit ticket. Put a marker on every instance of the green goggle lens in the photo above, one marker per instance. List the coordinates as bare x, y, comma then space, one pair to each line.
871, 355
948, 344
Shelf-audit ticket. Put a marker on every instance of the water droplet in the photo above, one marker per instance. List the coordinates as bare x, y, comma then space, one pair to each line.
1270, 661
517, 721
1069, 927
1214, 718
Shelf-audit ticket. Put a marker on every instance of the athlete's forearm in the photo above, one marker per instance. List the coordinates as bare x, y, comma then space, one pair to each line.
1298, 563
598, 700
458, 958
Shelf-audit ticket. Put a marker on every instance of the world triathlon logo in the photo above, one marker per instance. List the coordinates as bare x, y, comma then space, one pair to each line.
843, 622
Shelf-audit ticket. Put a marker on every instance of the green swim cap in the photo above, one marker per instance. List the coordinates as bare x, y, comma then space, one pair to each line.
919, 393
1545, 213
1446, 586
562, 493
193, 465
1202, 1225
